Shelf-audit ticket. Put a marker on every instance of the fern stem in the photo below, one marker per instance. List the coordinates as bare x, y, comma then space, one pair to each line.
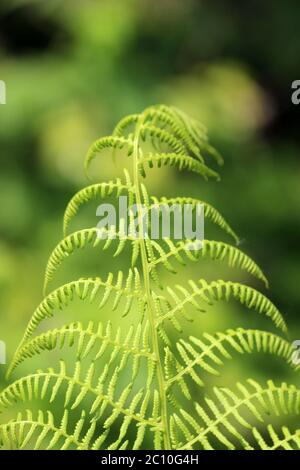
146, 269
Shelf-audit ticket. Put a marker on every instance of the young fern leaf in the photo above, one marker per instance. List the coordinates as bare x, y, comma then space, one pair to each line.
145, 381
86, 341
284, 440
180, 160
80, 239
227, 416
213, 249
95, 191
198, 295
210, 212
111, 142
208, 354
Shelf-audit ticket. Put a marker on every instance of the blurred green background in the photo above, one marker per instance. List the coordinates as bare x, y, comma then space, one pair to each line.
73, 68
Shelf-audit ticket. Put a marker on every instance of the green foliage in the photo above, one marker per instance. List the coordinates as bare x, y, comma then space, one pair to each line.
103, 400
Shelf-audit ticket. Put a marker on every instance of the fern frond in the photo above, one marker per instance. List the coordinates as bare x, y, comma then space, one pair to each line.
215, 250
133, 389
28, 428
162, 114
210, 212
93, 191
80, 239
198, 131
124, 123
216, 291
111, 142
90, 290
85, 341
74, 388
182, 161
209, 352
227, 415
129, 406
163, 137
286, 440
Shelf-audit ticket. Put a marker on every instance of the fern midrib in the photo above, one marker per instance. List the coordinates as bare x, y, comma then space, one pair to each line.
69, 438
282, 442
219, 341
90, 389
65, 334
151, 312
233, 408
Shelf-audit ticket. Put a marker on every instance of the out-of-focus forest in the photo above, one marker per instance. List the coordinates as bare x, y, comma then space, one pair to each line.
73, 68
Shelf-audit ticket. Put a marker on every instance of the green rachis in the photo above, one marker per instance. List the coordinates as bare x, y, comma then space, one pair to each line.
146, 385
